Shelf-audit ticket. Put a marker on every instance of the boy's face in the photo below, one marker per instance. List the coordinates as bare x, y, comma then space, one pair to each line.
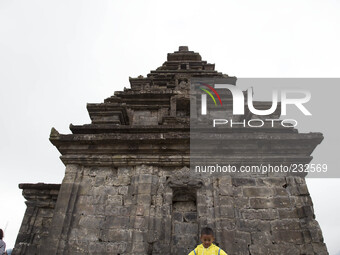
207, 240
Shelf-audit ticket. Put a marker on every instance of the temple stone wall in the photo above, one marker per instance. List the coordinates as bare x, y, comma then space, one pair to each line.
41, 199
265, 215
156, 210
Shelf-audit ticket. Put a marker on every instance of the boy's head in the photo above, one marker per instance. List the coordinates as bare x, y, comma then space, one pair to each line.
1, 234
207, 237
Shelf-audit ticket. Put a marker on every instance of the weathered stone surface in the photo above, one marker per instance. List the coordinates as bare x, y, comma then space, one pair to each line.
264, 214
258, 192
41, 199
128, 187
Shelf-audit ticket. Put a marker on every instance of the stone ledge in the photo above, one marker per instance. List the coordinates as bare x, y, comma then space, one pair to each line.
40, 186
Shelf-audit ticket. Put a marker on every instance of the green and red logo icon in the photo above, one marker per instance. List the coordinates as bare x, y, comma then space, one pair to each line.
209, 93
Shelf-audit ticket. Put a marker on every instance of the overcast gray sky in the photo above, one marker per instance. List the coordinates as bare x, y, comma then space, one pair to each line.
56, 56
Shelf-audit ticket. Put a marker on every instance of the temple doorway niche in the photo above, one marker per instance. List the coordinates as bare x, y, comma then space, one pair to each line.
184, 229
183, 107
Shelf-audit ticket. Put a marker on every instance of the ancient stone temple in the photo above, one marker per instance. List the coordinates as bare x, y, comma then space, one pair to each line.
128, 187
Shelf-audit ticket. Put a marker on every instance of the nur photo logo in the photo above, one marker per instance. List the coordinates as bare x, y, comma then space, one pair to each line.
243, 103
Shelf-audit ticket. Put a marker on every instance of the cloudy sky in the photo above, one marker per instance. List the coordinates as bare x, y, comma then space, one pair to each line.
56, 56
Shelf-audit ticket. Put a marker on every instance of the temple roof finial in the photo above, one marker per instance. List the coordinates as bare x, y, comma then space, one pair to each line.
183, 48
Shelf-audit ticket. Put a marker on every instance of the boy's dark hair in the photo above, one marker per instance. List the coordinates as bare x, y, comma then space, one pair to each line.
207, 231
1, 234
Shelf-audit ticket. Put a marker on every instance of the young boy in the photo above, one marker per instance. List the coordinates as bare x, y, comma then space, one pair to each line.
207, 247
